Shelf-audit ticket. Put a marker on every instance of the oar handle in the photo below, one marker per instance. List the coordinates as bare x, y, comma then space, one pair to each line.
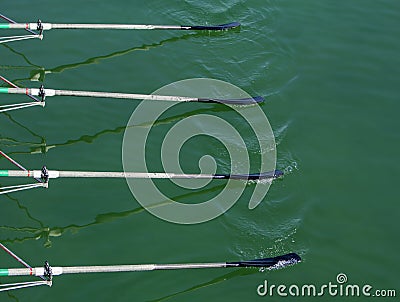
29, 173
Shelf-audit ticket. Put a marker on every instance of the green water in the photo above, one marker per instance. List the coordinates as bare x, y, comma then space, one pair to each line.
329, 70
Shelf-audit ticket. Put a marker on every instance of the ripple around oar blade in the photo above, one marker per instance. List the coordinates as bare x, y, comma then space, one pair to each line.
288, 260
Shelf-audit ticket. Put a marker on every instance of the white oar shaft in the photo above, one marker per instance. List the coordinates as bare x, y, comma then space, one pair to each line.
82, 174
48, 26
97, 94
39, 271
95, 174
87, 174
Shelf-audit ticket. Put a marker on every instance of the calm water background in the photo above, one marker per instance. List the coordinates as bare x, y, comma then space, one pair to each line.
329, 70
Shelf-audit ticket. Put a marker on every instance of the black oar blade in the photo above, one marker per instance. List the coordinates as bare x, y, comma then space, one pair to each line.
273, 263
266, 175
245, 101
254, 176
213, 27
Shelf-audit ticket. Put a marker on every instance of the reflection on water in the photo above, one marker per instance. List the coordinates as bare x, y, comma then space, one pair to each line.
43, 147
45, 232
38, 73
237, 273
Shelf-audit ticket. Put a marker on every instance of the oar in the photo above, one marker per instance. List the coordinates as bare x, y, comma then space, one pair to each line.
48, 272
271, 263
43, 176
42, 93
36, 29
47, 26
49, 174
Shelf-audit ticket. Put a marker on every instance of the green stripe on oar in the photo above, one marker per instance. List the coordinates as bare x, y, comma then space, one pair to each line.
3, 272
4, 25
3, 90
3, 172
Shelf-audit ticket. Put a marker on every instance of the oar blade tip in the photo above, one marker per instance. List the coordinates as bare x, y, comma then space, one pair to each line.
283, 261
257, 176
245, 101
258, 99
242, 101
220, 27
229, 25
277, 262
278, 174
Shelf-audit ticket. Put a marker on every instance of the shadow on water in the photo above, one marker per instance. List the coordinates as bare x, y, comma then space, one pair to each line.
231, 275
24, 57
41, 146
9, 141
42, 231
38, 72
11, 296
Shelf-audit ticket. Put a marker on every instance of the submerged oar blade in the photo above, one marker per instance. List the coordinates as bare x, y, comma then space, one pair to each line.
244, 101
254, 176
275, 262
213, 27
